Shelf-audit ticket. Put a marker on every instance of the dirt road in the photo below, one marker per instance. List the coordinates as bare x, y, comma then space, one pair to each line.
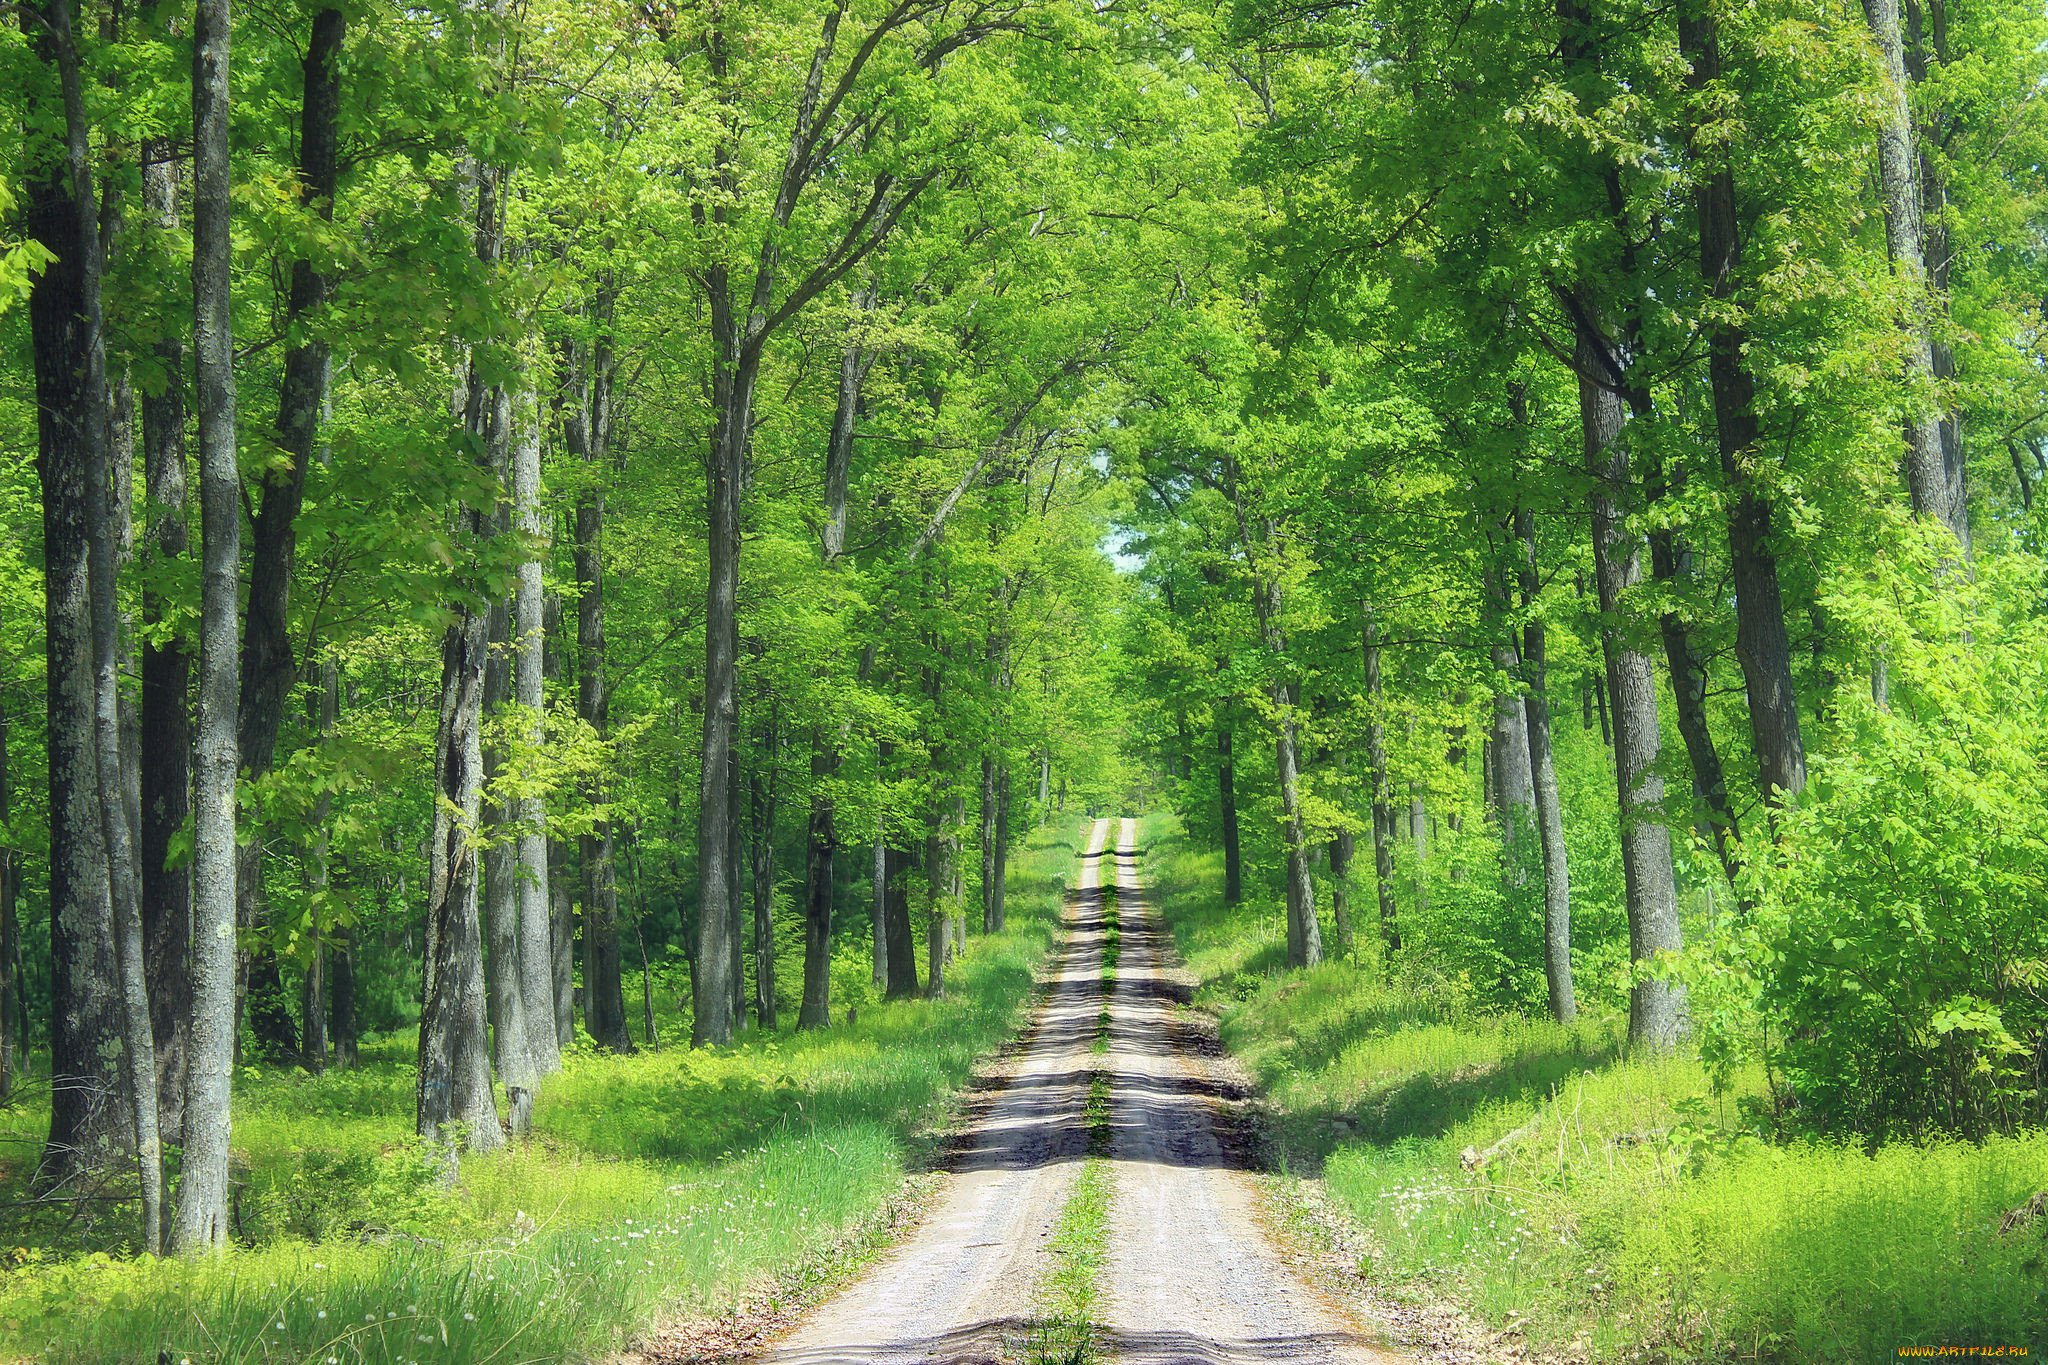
1190, 1275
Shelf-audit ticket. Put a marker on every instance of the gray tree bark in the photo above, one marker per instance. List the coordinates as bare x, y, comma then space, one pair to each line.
1382, 791
896, 909
1226, 801
585, 431
1671, 563
991, 886
1656, 1008
201, 1222
504, 980
166, 739
1557, 884
761, 800
536, 966
87, 1116
880, 913
455, 1100
1304, 934
1933, 480
999, 897
12, 1042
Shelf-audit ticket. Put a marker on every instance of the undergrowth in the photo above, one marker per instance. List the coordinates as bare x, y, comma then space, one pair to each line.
1613, 1207
663, 1183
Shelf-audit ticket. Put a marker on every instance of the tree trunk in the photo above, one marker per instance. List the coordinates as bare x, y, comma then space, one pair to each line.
1418, 835
1382, 791
761, 794
938, 872
736, 891
12, 1042
1671, 563
1342, 845
326, 707
1507, 753
504, 981
1304, 935
1226, 799
999, 897
1557, 886
562, 933
455, 1101
536, 940
455, 1098
342, 998
166, 740
1762, 645
201, 1220
585, 427
821, 848
1656, 1008
1927, 40
880, 913
734, 370
117, 740
561, 936
896, 909
988, 845
1934, 482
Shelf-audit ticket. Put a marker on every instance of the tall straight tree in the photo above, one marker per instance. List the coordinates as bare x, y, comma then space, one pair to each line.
166, 720
529, 666
1304, 934
1557, 884
586, 430
454, 1098
510, 1050
202, 1213
1610, 395
1656, 1007
87, 1108
822, 830
1762, 645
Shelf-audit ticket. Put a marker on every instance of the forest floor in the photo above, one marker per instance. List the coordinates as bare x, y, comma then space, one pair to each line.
1498, 1187
668, 1186
1098, 1202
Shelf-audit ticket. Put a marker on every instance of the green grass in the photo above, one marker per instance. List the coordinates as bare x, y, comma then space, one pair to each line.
1631, 1213
1063, 1327
665, 1183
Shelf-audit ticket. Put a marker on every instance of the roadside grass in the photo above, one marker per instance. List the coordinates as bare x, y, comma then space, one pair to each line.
1611, 1207
1063, 1326
662, 1184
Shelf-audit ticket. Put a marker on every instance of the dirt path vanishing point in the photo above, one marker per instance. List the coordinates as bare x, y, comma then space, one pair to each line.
1190, 1275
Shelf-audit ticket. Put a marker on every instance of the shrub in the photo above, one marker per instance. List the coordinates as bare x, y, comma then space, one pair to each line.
1900, 948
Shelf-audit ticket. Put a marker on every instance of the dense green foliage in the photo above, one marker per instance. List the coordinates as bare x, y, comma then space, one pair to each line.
551, 529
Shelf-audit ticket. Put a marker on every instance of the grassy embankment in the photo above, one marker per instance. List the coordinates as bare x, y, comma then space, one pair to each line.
1622, 1211
660, 1184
